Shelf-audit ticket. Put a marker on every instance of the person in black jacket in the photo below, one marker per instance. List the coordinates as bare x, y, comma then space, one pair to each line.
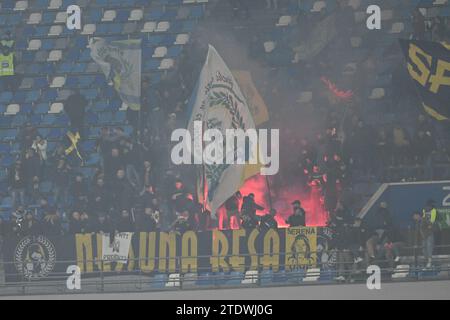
125, 222
248, 212
99, 197
298, 218
75, 224
102, 224
358, 236
75, 107
31, 226
121, 192
232, 208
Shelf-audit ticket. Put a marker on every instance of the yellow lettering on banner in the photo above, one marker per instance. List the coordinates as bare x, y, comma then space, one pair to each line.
237, 262
131, 258
189, 252
252, 250
104, 266
439, 79
147, 251
84, 252
167, 241
423, 72
271, 250
219, 251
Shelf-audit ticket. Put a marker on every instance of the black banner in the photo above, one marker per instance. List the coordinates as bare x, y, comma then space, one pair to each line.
38, 258
429, 66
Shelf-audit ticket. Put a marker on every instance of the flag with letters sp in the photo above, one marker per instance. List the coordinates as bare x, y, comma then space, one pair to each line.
121, 63
428, 65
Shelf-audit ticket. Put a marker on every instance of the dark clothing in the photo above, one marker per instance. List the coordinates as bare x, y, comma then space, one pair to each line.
98, 199
249, 207
75, 107
16, 178
78, 226
125, 224
31, 228
111, 166
51, 226
268, 222
105, 226
297, 219
148, 224
182, 225
121, 194
358, 236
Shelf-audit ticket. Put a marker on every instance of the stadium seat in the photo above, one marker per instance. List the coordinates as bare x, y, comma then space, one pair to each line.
12, 109
284, 21
160, 52
61, 17
41, 108
129, 28
136, 15
27, 83
58, 82
55, 55
269, 46
163, 26
35, 18
149, 27
55, 4
55, 30
397, 27
89, 29
166, 64
182, 39
109, 16
377, 93
34, 45
318, 6
56, 107
21, 5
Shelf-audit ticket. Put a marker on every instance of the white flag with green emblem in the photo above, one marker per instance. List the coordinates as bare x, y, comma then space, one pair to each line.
219, 104
121, 62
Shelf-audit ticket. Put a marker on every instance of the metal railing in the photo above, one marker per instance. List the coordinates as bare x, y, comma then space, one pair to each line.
341, 268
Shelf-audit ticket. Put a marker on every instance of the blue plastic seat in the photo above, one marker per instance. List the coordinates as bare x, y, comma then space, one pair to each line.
7, 161
62, 120
32, 96
93, 160
43, 132
4, 148
41, 108
6, 97
48, 120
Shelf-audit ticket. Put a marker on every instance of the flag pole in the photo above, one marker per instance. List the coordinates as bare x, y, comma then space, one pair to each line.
270, 192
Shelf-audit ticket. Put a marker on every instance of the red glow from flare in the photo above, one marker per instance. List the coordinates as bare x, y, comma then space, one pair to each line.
345, 95
316, 216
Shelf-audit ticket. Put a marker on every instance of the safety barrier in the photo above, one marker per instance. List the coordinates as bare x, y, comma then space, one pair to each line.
339, 268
